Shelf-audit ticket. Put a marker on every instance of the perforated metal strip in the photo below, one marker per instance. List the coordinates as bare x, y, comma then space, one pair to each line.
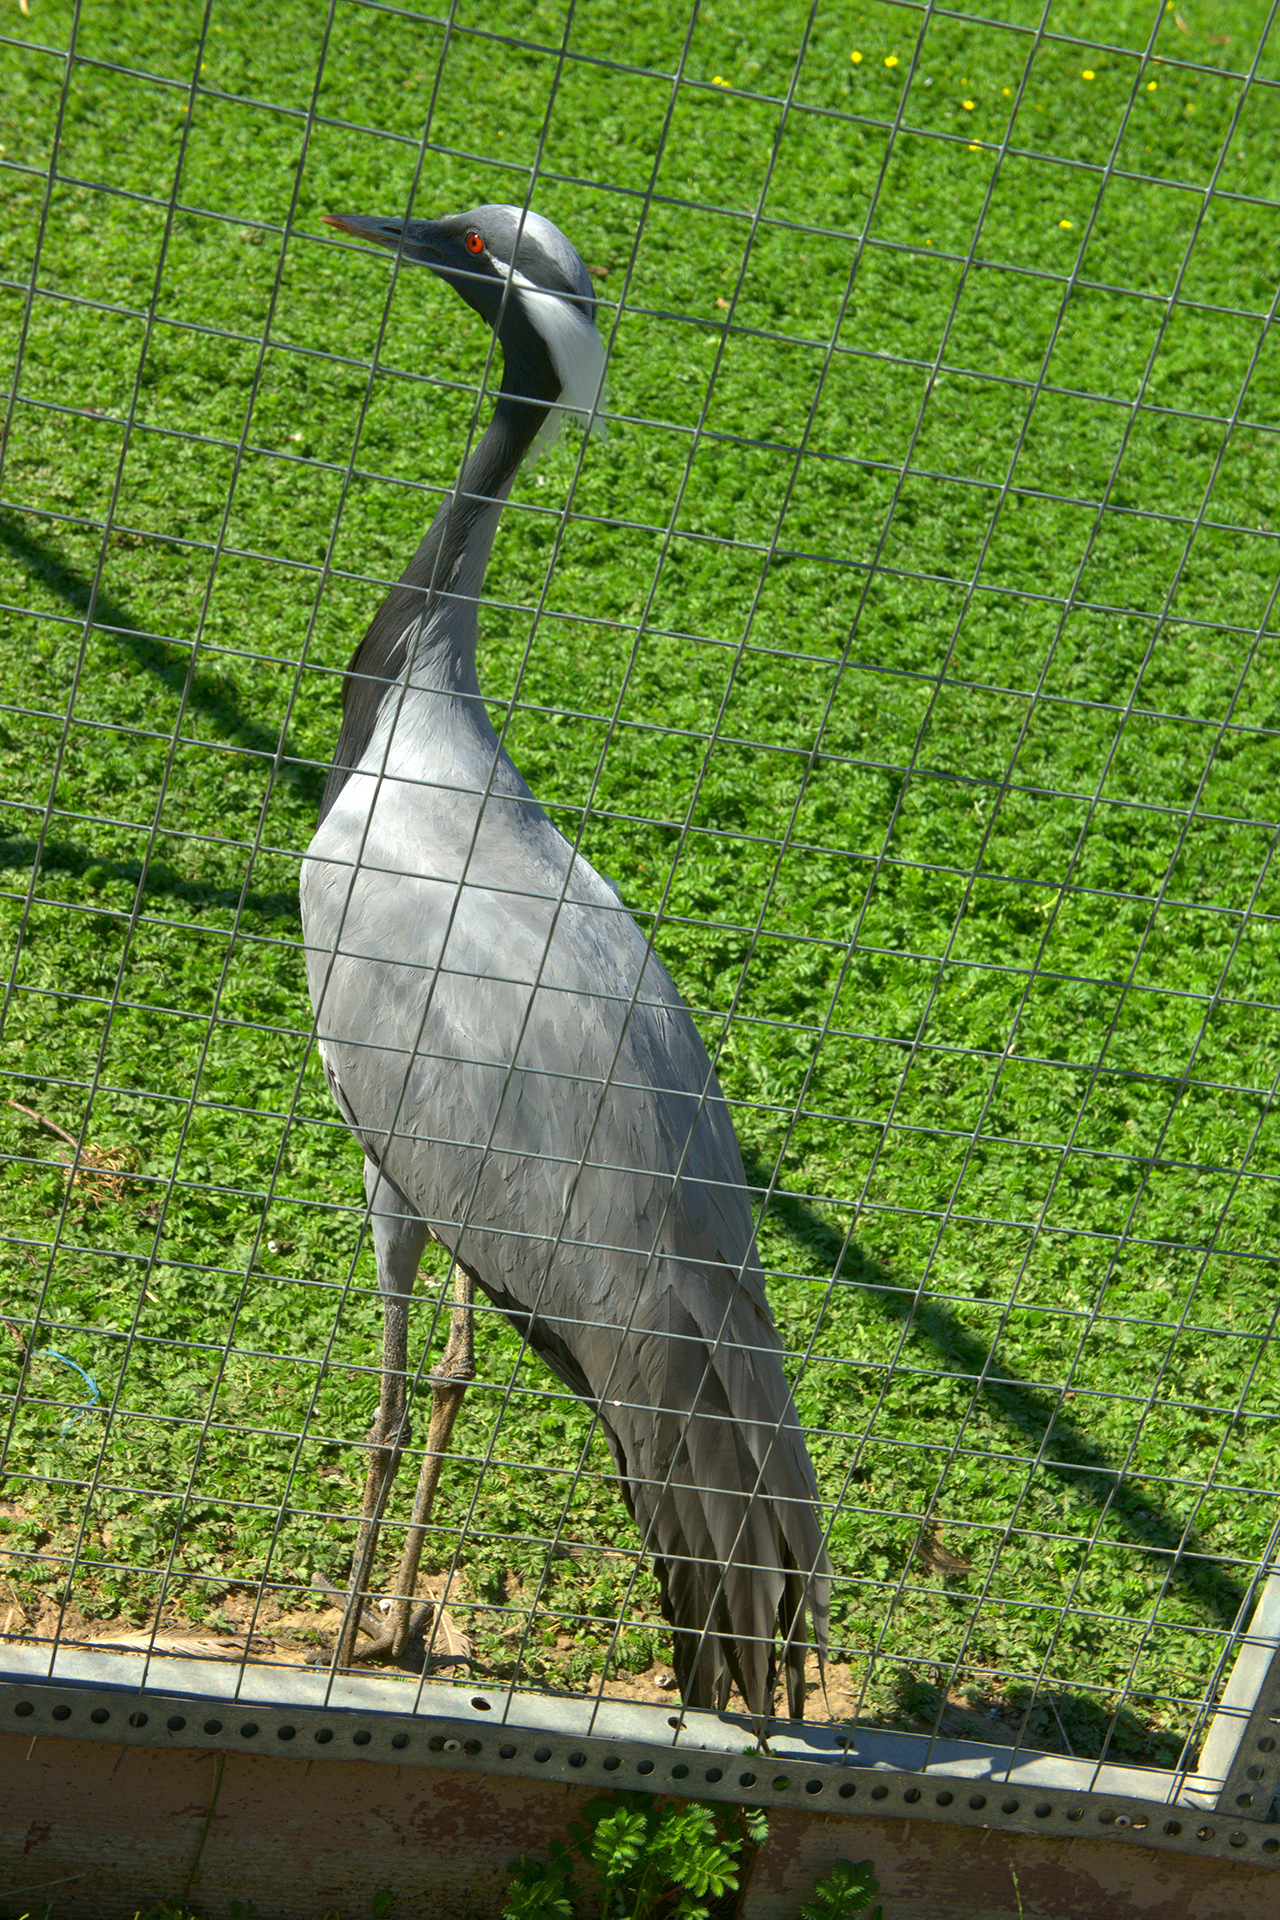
477, 1739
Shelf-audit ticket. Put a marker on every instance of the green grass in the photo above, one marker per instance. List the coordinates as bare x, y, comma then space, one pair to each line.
1024, 999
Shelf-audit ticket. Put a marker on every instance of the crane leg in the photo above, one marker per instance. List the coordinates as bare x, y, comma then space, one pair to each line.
449, 1383
399, 1237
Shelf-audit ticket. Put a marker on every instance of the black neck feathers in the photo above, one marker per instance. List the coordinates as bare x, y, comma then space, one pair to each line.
462, 532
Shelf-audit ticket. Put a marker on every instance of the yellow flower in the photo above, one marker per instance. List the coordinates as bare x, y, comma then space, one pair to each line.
1006, 91
891, 59
1086, 73
1066, 225
975, 146
856, 59
716, 81
967, 105
1151, 86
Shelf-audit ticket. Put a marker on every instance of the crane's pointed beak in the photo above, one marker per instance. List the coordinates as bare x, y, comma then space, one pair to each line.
386, 233
435, 244
417, 240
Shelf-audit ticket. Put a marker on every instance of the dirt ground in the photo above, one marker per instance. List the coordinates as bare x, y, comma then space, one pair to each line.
294, 1638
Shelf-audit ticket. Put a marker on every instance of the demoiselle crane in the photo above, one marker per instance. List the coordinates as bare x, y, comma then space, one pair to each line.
522, 1074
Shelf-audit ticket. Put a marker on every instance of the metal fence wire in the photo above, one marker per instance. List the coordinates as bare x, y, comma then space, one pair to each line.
906, 654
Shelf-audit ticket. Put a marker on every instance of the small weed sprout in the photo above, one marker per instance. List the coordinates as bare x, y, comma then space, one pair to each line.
847, 1890
671, 1860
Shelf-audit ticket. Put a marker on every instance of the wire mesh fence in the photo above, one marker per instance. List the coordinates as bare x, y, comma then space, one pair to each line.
905, 655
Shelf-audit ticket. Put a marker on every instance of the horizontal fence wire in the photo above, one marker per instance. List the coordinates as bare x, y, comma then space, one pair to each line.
905, 656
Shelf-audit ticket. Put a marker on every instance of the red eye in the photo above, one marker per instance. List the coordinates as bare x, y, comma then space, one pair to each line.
474, 243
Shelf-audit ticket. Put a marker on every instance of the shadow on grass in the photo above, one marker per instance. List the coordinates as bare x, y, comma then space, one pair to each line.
1048, 1720
1029, 1412
63, 856
166, 661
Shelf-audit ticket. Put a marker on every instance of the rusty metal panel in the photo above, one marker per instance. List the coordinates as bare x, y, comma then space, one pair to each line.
100, 1829
103, 1831
941, 1873
375, 1723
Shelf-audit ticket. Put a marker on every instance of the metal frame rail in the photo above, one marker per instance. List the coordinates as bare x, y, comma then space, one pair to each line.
1224, 1808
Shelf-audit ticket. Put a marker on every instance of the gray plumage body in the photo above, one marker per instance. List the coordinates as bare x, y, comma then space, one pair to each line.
518, 1063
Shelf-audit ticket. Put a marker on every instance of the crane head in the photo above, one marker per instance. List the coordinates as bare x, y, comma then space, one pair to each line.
518, 272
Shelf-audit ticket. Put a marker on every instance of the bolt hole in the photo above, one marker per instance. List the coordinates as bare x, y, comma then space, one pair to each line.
399, 1741
62, 1713
944, 1799
612, 1763
911, 1795
213, 1726
1043, 1810
175, 1723
509, 1753
1239, 1839
977, 1801
577, 1759
1204, 1833
99, 1716
480, 1705
714, 1774
1266, 1744
781, 1783
879, 1793
646, 1766
847, 1790
285, 1733
324, 1736
137, 1719
680, 1773
361, 1739
542, 1755
746, 1779
1173, 1828
1271, 1846
24, 1707
248, 1730
1008, 1806
815, 1786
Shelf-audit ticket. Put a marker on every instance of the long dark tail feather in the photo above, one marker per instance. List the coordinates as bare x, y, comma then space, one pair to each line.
708, 1665
710, 1654
715, 1473
791, 1629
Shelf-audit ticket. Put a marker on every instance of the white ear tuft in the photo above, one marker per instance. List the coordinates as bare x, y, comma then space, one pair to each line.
577, 354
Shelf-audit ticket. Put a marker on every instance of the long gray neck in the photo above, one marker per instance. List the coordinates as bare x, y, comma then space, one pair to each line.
428, 624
